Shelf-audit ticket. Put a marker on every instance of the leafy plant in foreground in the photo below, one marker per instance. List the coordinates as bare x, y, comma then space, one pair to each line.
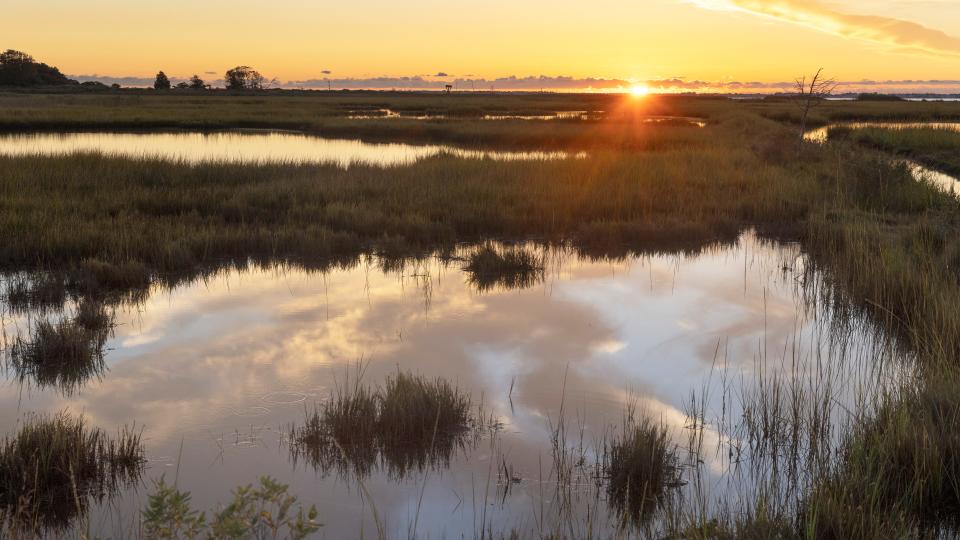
265, 511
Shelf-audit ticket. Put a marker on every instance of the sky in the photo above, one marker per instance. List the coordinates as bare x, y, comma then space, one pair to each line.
668, 45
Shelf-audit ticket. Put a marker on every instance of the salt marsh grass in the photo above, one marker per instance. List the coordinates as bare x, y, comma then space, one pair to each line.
96, 225
63, 354
54, 465
641, 466
507, 268
935, 148
408, 424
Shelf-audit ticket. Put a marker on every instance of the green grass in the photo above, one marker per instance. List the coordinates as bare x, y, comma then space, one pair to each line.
935, 148
326, 114
642, 467
64, 354
889, 246
59, 212
409, 424
509, 268
54, 465
39, 292
848, 111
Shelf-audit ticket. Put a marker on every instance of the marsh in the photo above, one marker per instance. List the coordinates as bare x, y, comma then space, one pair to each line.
709, 309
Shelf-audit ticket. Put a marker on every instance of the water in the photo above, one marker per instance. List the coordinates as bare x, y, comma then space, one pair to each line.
215, 371
921, 173
380, 114
249, 147
821, 134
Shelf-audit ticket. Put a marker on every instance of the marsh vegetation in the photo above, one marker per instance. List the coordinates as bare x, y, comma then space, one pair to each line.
879, 254
54, 465
63, 354
408, 424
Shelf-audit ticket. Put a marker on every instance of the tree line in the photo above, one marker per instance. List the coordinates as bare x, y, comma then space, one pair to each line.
18, 68
238, 78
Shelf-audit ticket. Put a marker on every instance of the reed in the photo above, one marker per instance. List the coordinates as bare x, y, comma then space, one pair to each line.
935, 148
64, 354
641, 467
409, 424
887, 243
53, 466
489, 268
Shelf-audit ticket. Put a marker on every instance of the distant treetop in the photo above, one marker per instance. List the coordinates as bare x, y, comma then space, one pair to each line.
11, 56
244, 78
18, 68
161, 82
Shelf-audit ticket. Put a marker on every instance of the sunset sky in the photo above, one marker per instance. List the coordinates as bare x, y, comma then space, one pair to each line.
668, 44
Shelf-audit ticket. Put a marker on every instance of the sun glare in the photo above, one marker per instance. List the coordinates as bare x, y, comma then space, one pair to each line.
639, 91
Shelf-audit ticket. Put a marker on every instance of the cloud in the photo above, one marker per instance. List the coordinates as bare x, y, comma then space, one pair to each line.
591, 84
573, 84
512, 82
122, 81
895, 33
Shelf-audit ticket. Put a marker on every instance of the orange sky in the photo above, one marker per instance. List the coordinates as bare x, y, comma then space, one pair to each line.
296, 40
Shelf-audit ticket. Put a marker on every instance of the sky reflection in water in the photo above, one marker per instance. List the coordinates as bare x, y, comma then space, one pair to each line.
249, 147
225, 365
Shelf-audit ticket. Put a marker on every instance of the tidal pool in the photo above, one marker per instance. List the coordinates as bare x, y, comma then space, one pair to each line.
380, 114
216, 371
821, 134
942, 180
249, 147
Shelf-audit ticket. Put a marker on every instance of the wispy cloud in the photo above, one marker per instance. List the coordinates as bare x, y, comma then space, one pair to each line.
889, 31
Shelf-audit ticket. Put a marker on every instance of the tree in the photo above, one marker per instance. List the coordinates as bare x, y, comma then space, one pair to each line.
197, 83
244, 78
182, 86
20, 69
810, 95
162, 82
12, 57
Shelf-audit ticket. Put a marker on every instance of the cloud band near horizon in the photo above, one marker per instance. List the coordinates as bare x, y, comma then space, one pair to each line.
562, 83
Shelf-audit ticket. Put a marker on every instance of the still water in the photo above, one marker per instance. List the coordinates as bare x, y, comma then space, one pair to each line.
944, 181
215, 372
821, 134
380, 114
249, 147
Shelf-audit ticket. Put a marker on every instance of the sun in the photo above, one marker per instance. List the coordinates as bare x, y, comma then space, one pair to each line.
639, 90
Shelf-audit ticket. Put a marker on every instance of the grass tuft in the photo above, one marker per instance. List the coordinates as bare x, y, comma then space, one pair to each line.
53, 466
64, 354
641, 468
409, 424
508, 268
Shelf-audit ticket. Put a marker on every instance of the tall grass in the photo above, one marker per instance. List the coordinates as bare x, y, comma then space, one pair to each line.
409, 424
165, 217
641, 467
888, 243
935, 148
54, 465
512, 268
64, 354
